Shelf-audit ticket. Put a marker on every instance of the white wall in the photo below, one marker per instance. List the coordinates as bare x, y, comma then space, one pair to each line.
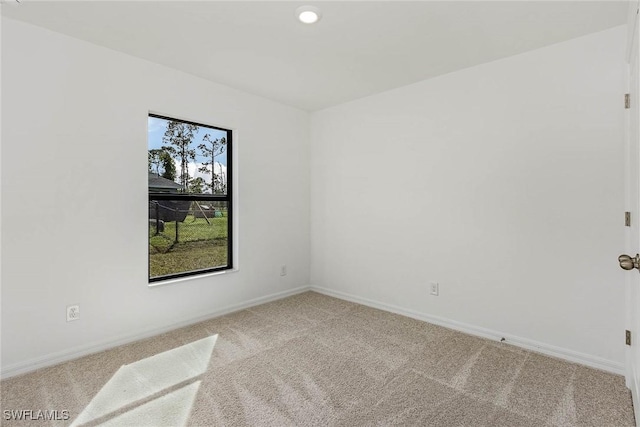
74, 194
502, 182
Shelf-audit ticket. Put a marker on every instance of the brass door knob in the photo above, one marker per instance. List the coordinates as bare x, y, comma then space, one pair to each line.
628, 263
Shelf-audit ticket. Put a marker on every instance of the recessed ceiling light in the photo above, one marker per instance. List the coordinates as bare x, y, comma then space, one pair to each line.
308, 14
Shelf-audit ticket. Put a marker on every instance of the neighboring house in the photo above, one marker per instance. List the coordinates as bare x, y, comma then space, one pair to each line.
158, 184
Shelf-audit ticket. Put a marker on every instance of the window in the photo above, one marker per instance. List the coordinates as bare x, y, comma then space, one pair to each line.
190, 204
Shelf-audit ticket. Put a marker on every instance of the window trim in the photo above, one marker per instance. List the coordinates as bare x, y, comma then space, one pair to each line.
228, 198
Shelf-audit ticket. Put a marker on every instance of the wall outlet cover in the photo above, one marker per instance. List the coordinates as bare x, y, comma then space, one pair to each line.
73, 313
434, 289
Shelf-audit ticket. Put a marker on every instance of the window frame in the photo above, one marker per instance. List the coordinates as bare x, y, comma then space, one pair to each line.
228, 198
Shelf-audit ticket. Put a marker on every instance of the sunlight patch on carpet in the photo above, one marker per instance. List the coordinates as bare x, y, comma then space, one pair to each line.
168, 410
134, 384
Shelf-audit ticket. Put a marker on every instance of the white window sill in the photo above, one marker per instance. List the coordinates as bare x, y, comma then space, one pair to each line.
191, 278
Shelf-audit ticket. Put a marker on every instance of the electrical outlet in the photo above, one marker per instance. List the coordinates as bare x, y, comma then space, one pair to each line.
283, 270
73, 313
435, 289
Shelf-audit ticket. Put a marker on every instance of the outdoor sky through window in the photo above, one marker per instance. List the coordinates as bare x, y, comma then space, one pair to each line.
156, 130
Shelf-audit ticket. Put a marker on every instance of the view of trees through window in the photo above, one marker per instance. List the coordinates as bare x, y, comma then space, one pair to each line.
189, 198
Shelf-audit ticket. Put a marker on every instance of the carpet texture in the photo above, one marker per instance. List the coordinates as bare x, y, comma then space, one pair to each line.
313, 360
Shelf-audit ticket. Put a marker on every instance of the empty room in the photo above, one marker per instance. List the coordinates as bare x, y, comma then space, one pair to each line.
327, 213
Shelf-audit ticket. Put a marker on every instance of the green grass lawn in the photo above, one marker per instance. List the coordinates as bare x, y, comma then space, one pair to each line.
200, 245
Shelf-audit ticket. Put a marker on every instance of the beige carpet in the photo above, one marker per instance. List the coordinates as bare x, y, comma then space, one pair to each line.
312, 360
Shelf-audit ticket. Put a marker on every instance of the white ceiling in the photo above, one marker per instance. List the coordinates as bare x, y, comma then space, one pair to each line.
357, 49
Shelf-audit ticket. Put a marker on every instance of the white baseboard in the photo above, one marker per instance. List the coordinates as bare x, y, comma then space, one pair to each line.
84, 350
562, 353
547, 349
